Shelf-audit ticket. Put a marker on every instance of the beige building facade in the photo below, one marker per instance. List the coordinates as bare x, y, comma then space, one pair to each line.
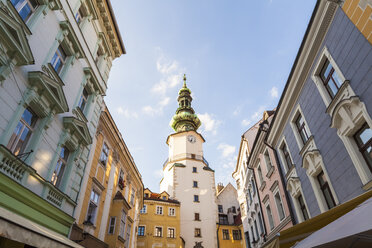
112, 194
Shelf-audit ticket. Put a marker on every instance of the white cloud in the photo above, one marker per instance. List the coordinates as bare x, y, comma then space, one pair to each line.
254, 117
171, 74
209, 124
274, 92
166, 66
227, 150
246, 122
149, 110
164, 102
127, 113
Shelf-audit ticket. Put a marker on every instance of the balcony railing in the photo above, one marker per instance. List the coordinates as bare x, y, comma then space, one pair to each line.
19, 171
186, 155
12, 166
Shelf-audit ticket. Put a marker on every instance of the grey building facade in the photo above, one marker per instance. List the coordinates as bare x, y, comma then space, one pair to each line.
322, 126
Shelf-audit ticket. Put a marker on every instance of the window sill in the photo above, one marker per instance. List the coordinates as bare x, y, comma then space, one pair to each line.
270, 172
120, 238
309, 145
80, 114
263, 185
338, 97
367, 186
197, 201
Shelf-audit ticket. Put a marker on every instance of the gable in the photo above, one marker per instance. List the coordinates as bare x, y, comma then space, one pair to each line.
49, 88
78, 129
14, 39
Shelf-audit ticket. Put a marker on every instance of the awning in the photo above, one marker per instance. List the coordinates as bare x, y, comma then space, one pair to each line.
20, 229
354, 229
292, 235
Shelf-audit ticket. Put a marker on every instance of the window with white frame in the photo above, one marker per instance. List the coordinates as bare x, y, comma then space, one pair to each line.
363, 139
326, 190
83, 100
144, 209
279, 205
327, 76
197, 232
302, 206
22, 132
171, 232
171, 211
268, 163
252, 232
159, 210
93, 207
141, 230
285, 156
259, 171
225, 234
123, 221
256, 228
121, 179
111, 228
348, 112
25, 8
270, 216
104, 154
127, 236
60, 167
158, 231
59, 59
132, 196
260, 222
300, 128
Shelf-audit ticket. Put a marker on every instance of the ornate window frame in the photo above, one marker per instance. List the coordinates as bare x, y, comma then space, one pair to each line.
295, 189
312, 162
325, 55
282, 156
348, 113
298, 111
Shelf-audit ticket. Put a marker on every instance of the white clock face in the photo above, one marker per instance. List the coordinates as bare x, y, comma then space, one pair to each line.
191, 139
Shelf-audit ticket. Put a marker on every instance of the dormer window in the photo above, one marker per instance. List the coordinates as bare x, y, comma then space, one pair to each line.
25, 8
59, 59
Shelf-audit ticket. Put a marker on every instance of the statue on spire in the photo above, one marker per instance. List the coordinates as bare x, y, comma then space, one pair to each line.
185, 118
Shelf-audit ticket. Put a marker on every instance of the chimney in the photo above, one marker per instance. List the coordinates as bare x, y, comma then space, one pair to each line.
219, 187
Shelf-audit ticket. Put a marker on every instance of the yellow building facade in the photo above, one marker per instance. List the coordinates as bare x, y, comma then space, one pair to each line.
113, 196
360, 13
159, 224
230, 236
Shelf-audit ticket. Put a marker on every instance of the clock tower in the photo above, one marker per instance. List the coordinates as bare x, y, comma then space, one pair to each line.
188, 178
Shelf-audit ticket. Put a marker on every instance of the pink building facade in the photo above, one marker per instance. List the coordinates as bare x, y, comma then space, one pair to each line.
276, 212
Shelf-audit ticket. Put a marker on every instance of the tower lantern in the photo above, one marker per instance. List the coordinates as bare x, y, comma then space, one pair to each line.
185, 118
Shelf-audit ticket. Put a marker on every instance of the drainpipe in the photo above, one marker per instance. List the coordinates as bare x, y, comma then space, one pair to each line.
284, 183
218, 241
259, 202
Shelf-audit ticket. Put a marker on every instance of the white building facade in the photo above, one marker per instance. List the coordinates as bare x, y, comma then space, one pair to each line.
55, 58
188, 177
253, 225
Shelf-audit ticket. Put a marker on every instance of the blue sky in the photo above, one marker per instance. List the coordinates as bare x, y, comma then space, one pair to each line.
236, 54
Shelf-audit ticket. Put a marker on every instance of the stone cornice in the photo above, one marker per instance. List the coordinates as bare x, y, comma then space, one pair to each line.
316, 31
